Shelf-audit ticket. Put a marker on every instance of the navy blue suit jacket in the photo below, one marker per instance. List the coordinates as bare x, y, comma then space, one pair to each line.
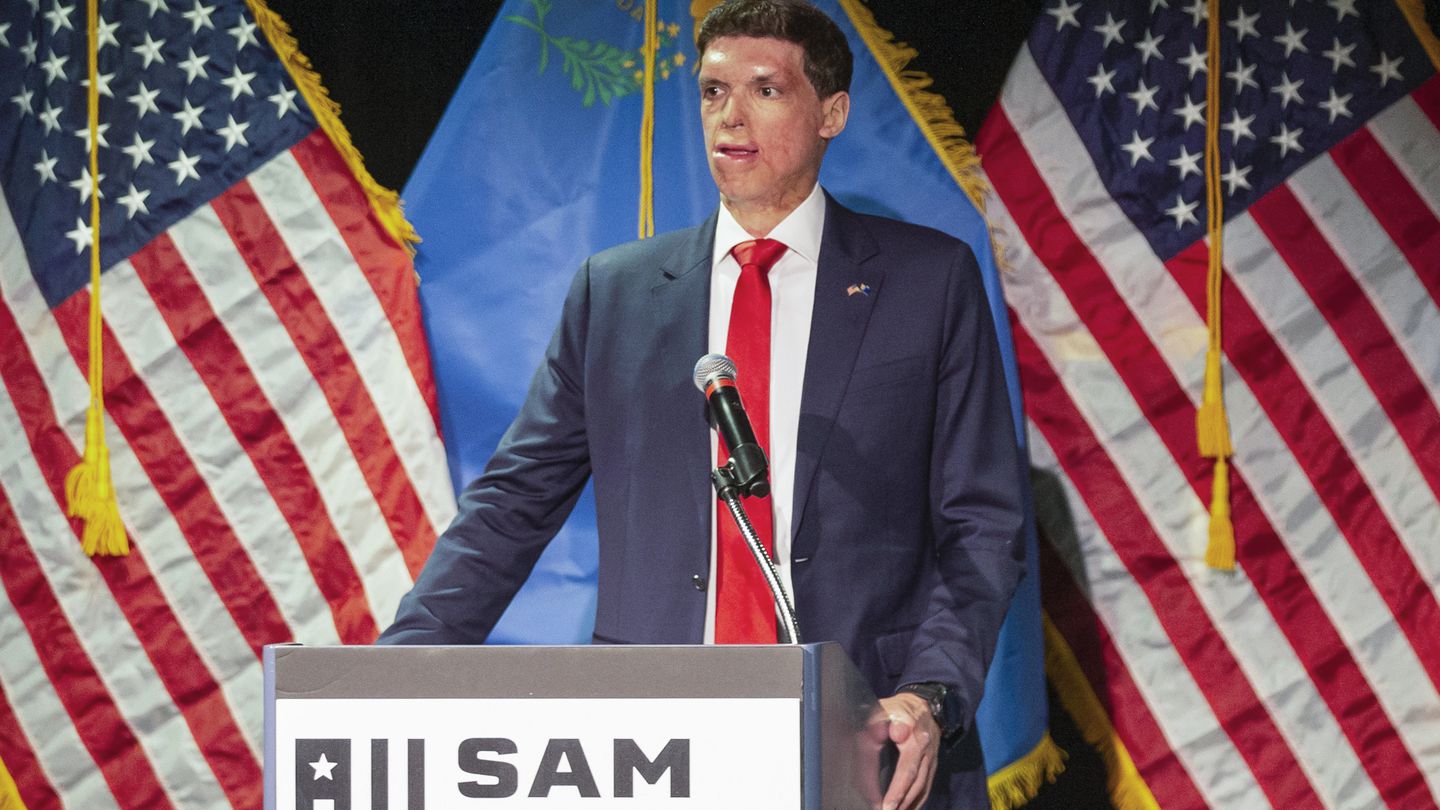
908, 484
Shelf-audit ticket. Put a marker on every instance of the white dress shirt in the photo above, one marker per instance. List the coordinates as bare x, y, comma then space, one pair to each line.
792, 299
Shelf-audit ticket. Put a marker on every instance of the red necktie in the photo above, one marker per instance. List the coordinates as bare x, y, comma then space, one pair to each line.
744, 608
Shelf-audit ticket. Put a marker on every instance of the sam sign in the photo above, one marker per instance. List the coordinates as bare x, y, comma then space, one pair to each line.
430, 754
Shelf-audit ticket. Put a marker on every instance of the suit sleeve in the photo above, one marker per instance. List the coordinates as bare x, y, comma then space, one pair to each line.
511, 512
977, 480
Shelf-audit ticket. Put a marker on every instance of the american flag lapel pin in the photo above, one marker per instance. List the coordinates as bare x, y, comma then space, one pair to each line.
862, 288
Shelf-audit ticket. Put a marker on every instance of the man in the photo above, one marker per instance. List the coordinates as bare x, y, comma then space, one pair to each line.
869, 364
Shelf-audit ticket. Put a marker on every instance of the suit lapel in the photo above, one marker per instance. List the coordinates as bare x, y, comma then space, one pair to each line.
836, 330
680, 301
681, 309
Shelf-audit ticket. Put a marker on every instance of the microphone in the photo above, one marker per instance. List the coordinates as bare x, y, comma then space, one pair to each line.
715, 377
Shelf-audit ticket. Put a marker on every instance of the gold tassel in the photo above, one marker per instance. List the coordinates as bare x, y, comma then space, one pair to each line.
89, 493
1017, 783
385, 202
1212, 428
1220, 553
1212, 431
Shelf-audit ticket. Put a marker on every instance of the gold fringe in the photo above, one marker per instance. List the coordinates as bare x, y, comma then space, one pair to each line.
1414, 11
89, 494
1017, 783
386, 202
928, 109
9, 793
1212, 427
1128, 790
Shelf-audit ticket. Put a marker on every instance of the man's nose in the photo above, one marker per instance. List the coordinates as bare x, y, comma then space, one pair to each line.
732, 113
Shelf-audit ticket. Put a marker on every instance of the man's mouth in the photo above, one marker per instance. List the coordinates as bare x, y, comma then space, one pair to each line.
736, 152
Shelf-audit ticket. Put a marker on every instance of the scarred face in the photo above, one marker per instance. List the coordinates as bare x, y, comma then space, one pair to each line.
765, 126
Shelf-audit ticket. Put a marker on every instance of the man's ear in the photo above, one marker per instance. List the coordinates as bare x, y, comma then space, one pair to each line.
835, 112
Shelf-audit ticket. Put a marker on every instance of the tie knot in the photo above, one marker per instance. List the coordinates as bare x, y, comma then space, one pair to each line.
759, 253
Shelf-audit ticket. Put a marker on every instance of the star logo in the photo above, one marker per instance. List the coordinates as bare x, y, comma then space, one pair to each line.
323, 767
322, 773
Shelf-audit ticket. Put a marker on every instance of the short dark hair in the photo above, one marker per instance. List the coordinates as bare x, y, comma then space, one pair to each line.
828, 61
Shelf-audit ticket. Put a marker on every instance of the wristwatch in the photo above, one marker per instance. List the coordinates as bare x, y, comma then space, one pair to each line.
943, 702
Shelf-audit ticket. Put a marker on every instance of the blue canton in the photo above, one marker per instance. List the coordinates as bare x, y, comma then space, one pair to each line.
1297, 77
192, 99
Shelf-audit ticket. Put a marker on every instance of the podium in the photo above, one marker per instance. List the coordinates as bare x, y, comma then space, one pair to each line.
406, 728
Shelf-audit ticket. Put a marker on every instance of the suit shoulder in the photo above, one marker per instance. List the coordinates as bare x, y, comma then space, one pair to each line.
919, 239
642, 253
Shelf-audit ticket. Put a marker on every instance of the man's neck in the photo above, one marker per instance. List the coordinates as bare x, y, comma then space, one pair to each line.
759, 220
801, 230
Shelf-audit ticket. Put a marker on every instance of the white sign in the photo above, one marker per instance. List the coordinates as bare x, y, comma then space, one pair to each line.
434, 754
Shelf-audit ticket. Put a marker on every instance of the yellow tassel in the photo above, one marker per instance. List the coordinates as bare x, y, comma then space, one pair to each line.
1212, 429
1017, 783
1220, 553
89, 494
1128, 790
384, 201
9, 793
929, 111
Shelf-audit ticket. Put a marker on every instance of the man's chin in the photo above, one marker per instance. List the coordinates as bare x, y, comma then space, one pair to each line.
746, 192
734, 188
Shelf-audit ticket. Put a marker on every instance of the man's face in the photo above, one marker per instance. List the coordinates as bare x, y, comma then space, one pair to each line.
765, 127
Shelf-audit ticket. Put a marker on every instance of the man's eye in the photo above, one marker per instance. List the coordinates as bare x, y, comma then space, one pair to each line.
769, 92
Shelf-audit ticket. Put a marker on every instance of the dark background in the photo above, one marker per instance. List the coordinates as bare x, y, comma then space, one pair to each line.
393, 66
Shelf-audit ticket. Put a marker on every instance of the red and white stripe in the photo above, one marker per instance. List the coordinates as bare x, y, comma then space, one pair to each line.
1309, 676
273, 441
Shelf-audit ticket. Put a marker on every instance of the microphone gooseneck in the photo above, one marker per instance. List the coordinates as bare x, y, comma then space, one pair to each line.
746, 473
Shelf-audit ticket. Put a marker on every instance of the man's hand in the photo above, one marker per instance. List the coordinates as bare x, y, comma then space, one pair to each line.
915, 733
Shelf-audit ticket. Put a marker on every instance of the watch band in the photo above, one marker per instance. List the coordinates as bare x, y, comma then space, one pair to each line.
943, 703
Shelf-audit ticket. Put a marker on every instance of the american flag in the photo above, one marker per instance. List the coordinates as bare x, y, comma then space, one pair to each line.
1307, 677
271, 415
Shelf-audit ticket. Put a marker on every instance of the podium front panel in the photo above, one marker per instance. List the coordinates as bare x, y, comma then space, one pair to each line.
405, 728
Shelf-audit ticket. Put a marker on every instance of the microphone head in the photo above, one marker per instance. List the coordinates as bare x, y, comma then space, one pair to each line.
711, 366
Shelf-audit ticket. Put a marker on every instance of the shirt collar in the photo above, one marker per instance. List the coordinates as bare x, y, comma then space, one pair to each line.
800, 230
